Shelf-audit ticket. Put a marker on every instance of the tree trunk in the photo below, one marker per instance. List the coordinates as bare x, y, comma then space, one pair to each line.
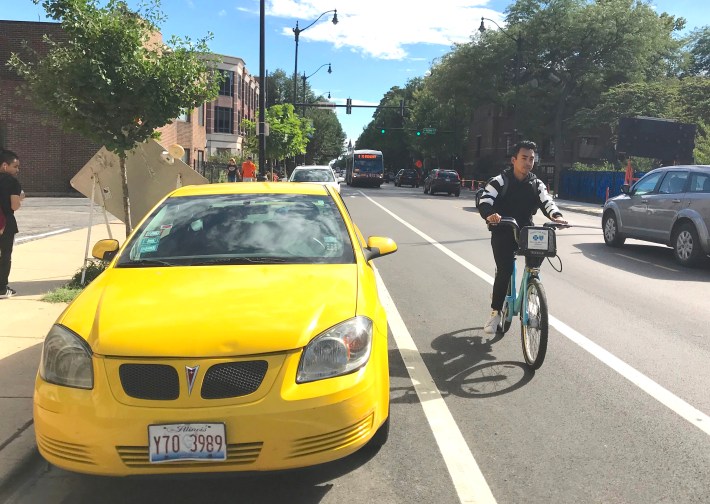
126, 200
559, 136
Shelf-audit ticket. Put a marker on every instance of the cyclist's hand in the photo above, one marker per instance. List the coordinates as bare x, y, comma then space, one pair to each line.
559, 220
493, 218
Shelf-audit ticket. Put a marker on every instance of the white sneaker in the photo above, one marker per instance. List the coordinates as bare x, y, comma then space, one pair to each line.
492, 325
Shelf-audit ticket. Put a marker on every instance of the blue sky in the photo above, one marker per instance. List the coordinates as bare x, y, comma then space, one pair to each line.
376, 44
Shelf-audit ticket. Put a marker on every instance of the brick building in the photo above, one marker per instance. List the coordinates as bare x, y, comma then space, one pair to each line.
50, 157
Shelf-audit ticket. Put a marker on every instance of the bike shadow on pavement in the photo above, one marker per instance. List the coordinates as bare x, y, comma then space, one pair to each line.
463, 364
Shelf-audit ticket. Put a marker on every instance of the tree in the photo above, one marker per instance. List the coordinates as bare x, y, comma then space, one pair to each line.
327, 139
288, 132
113, 80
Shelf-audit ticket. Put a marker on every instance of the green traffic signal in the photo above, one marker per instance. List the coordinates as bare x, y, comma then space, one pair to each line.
383, 131
419, 133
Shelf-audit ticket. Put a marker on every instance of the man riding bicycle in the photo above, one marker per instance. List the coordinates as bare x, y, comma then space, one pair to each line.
515, 193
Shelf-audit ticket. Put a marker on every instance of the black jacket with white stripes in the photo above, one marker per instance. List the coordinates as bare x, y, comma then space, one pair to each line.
520, 200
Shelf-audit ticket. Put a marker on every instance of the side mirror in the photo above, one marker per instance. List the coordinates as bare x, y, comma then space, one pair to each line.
626, 188
378, 246
105, 249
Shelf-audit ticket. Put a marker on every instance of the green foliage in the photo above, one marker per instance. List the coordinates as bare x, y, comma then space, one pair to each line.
605, 166
702, 144
69, 291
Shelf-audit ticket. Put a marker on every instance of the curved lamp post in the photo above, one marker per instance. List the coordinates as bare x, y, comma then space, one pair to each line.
297, 31
304, 79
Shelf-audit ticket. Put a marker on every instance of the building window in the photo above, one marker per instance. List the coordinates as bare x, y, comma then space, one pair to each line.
226, 88
201, 115
186, 157
223, 120
184, 116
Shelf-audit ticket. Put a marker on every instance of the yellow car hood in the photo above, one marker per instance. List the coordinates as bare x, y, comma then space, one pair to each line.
204, 311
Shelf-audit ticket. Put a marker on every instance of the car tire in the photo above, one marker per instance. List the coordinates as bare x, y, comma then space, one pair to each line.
425, 190
610, 230
686, 245
457, 193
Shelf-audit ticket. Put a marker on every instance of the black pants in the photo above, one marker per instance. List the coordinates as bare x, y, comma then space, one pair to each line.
7, 240
504, 247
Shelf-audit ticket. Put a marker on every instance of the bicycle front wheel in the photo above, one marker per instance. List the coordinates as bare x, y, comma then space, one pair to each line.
534, 334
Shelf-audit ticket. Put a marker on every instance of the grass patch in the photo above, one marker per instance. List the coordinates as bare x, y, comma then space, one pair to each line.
71, 290
62, 295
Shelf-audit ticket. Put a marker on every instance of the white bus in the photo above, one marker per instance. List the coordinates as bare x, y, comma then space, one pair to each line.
365, 167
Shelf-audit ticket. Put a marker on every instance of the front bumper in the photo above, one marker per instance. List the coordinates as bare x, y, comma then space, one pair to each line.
282, 425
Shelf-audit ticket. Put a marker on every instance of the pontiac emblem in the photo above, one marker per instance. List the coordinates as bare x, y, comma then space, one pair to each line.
191, 373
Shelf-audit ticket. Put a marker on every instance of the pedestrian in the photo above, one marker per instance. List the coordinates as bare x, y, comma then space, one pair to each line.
248, 170
11, 196
232, 171
516, 193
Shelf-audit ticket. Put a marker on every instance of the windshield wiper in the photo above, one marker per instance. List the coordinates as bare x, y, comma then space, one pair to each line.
239, 260
144, 262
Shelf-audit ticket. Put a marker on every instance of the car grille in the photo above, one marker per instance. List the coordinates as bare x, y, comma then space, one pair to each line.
332, 441
160, 382
150, 381
233, 379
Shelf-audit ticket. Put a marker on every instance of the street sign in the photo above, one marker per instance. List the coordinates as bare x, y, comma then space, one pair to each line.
429, 131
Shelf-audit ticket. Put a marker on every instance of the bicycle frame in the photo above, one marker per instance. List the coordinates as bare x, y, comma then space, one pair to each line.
518, 303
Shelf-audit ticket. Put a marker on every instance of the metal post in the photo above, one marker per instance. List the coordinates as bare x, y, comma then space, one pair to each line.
262, 84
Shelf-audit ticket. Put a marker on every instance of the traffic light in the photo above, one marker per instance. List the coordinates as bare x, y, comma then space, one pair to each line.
383, 130
418, 133
348, 106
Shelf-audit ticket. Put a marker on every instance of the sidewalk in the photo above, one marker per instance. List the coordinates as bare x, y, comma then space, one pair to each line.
37, 267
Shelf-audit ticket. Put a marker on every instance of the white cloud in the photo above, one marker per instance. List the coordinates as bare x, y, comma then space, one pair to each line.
383, 29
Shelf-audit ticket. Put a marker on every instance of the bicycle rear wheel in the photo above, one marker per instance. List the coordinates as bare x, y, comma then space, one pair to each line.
534, 334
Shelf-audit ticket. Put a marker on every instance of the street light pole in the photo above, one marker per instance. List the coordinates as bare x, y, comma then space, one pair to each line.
262, 88
297, 32
304, 78
516, 82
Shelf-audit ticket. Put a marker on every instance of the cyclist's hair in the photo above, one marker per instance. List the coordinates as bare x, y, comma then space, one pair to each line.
523, 144
7, 156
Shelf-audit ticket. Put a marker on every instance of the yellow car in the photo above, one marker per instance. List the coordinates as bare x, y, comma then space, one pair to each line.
238, 329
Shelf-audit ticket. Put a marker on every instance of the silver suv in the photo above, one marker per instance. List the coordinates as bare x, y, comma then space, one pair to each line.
669, 205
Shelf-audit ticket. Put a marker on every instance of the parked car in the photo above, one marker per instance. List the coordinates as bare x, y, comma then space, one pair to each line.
669, 205
447, 181
316, 174
239, 328
406, 176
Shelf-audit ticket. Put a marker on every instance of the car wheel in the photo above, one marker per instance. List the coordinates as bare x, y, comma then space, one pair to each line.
686, 245
457, 193
612, 237
425, 190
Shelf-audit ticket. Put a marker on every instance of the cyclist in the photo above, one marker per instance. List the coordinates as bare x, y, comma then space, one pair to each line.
516, 193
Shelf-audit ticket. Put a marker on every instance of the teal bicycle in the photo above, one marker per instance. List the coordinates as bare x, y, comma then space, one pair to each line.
535, 243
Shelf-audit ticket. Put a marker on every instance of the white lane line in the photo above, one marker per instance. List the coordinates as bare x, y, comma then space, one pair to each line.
647, 262
468, 479
42, 235
659, 393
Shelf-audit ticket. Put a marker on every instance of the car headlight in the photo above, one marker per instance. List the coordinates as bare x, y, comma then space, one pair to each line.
66, 360
340, 350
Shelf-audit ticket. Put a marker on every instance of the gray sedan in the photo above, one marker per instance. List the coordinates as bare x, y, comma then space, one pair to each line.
669, 205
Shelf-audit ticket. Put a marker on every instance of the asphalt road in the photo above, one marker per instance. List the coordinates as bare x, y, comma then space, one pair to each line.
617, 414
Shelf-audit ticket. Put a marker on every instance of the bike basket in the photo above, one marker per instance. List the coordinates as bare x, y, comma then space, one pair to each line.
537, 241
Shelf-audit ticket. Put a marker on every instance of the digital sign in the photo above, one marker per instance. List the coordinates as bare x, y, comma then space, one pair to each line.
366, 156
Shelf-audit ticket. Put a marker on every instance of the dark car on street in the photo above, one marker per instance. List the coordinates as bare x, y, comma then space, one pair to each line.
407, 176
447, 181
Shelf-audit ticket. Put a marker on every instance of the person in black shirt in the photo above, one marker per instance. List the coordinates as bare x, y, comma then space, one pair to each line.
11, 196
516, 193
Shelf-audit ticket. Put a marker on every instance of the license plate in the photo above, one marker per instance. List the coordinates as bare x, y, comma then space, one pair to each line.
193, 441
